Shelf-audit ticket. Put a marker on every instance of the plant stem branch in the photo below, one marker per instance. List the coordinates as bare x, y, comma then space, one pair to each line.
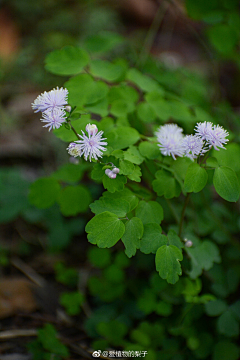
75, 132
183, 213
152, 33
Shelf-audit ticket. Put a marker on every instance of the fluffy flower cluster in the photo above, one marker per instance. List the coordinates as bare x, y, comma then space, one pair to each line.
52, 104
91, 146
173, 143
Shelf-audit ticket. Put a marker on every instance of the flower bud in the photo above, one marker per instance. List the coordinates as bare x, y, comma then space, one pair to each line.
111, 175
91, 129
107, 172
68, 108
73, 160
115, 170
188, 243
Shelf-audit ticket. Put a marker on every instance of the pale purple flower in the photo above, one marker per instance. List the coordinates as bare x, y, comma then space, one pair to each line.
51, 99
54, 118
74, 150
170, 140
204, 130
218, 137
193, 146
91, 146
215, 135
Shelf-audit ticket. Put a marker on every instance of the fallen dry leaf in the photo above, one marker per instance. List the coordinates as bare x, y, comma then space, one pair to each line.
15, 296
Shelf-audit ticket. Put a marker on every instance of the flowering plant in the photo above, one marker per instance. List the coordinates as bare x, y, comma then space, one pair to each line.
143, 160
158, 171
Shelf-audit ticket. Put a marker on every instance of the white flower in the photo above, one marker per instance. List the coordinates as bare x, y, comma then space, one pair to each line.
51, 99
54, 118
193, 146
170, 140
74, 149
215, 135
91, 146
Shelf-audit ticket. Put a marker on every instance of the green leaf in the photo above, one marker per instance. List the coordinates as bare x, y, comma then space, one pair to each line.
104, 41
167, 263
105, 124
132, 236
212, 162
223, 37
126, 167
119, 207
122, 137
147, 302
97, 172
69, 60
163, 308
100, 107
125, 194
105, 230
44, 192
149, 150
166, 185
121, 107
149, 212
226, 183
133, 155
196, 178
197, 9
123, 92
229, 158
113, 185
106, 70
180, 166
83, 90
144, 82
160, 106
136, 174
173, 239
72, 302
74, 200
225, 350
70, 172
100, 258
152, 239
215, 308
227, 324
48, 337
113, 331
145, 113
202, 257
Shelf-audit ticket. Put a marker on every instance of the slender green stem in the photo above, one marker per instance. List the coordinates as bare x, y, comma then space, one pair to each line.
75, 132
183, 213
174, 213
152, 33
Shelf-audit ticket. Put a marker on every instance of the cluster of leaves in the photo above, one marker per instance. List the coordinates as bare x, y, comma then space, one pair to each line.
14, 191
223, 22
133, 311
47, 346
